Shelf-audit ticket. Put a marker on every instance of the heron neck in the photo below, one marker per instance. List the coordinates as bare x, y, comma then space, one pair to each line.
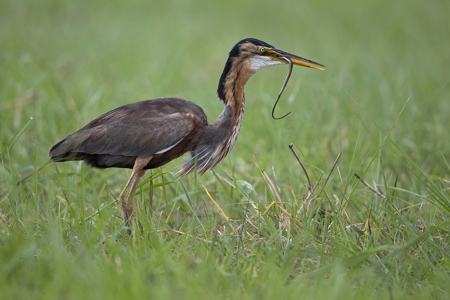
231, 92
219, 138
235, 75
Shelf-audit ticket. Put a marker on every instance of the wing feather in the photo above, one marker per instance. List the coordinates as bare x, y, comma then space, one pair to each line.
137, 129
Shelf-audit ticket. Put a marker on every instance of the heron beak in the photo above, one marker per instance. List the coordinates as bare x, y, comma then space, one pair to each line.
281, 55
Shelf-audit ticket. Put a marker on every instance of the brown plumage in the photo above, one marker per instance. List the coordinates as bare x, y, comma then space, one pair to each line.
148, 134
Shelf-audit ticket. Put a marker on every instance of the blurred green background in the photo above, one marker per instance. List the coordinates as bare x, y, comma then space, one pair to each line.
63, 63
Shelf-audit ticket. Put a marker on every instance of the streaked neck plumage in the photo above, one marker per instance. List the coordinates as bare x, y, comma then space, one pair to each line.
219, 138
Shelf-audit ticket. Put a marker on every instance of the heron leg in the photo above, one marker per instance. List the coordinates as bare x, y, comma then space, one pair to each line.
126, 197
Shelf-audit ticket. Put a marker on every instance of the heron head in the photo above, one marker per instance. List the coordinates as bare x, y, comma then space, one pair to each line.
260, 54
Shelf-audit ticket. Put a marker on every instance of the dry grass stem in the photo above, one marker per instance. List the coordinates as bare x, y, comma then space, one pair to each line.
220, 210
378, 193
291, 146
272, 187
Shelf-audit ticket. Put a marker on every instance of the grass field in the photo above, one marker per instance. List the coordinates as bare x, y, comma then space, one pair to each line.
251, 229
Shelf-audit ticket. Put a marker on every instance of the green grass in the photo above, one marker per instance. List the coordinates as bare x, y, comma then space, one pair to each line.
382, 102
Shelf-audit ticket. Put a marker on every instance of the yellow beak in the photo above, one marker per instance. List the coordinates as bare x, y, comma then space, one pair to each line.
296, 60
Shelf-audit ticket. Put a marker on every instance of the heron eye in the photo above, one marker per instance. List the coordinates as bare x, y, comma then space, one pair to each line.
262, 49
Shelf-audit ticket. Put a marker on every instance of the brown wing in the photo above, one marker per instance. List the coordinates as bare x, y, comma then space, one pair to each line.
138, 129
